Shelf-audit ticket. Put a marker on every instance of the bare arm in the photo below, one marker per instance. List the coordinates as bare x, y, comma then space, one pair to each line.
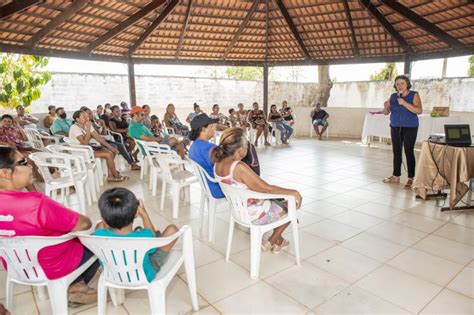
85, 139
147, 138
84, 223
145, 218
244, 174
386, 107
416, 107
114, 128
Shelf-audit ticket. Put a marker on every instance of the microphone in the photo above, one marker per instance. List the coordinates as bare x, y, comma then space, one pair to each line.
400, 94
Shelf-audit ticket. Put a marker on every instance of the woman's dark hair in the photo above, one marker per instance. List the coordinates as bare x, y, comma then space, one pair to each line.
194, 133
7, 155
58, 109
99, 106
214, 106
231, 141
76, 114
231, 111
153, 117
118, 207
84, 108
272, 107
144, 106
114, 107
195, 105
402, 77
7, 116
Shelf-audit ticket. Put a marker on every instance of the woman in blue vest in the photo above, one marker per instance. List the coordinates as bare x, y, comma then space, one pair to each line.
404, 106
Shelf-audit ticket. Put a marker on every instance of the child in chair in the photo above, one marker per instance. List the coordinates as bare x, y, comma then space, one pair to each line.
118, 208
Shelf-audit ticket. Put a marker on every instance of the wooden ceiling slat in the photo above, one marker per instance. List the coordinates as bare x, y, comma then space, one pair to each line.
15, 7
292, 27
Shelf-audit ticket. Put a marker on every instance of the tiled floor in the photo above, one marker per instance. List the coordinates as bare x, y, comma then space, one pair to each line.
366, 247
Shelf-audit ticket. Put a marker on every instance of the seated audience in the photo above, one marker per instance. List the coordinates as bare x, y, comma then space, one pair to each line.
107, 106
137, 130
118, 208
285, 130
171, 120
233, 119
287, 113
11, 134
107, 115
202, 130
231, 170
197, 111
124, 107
156, 127
242, 116
146, 116
124, 147
119, 125
49, 119
222, 123
83, 133
61, 124
256, 117
98, 112
25, 120
35, 214
319, 117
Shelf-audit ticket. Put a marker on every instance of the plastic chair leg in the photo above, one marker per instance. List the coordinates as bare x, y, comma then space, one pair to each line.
201, 207
176, 193
191, 278
117, 296
58, 296
42, 292
102, 297
255, 252
156, 295
9, 295
154, 179
163, 195
212, 220
296, 241
229, 238
81, 196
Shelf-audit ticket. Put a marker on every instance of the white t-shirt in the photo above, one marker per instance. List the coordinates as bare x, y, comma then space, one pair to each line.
76, 131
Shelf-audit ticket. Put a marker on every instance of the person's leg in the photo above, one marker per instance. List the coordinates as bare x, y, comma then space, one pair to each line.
109, 158
276, 238
131, 148
265, 133
170, 230
123, 151
280, 126
289, 131
409, 140
397, 150
89, 273
325, 126
259, 133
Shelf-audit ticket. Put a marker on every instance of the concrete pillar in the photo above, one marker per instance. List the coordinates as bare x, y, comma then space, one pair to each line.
131, 84
265, 88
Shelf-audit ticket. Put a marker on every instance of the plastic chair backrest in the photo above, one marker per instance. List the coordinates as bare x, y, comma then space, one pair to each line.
21, 255
84, 151
34, 137
203, 177
148, 148
238, 198
66, 163
165, 160
122, 259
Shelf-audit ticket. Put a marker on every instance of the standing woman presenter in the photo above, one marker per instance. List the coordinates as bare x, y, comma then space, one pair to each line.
404, 106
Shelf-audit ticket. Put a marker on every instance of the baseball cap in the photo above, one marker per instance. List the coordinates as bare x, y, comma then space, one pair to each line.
136, 110
201, 121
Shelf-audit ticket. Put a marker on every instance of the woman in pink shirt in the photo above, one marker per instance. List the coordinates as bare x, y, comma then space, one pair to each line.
35, 214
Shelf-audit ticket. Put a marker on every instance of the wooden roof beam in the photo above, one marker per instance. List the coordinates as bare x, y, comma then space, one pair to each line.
122, 26
15, 7
293, 29
185, 27
386, 25
241, 27
160, 18
351, 25
423, 23
58, 20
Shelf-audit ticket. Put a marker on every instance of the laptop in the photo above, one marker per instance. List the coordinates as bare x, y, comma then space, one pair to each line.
458, 135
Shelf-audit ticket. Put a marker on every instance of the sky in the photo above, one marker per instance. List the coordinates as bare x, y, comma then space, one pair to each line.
457, 67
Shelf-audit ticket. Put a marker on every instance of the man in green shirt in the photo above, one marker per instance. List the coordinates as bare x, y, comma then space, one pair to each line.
61, 124
138, 130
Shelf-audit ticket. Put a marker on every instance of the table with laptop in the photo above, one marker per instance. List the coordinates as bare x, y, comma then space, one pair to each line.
447, 162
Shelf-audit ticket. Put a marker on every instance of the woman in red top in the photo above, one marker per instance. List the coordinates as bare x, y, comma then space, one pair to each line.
35, 214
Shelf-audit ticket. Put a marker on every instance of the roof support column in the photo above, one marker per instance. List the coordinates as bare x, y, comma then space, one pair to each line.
265, 87
131, 83
407, 66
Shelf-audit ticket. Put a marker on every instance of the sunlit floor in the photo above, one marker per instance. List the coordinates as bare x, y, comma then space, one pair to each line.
366, 247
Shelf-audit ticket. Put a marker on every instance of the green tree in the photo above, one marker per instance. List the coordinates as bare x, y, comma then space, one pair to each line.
245, 73
388, 72
21, 78
471, 66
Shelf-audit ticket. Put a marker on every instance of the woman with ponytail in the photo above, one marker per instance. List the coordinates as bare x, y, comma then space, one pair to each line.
231, 170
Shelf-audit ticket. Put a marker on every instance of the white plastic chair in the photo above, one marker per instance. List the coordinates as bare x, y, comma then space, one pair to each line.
177, 179
275, 135
252, 135
86, 153
122, 262
73, 172
213, 204
311, 130
238, 198
21, 256
147, 150
35, 138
